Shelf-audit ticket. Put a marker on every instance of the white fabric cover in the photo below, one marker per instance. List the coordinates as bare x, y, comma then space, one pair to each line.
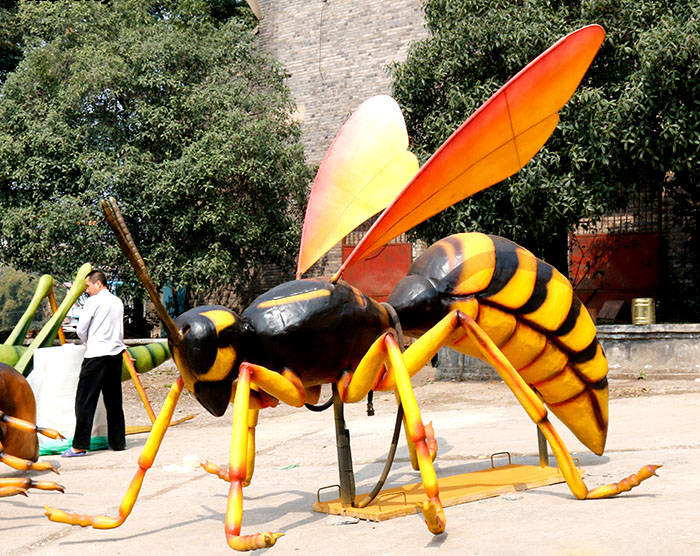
54, 381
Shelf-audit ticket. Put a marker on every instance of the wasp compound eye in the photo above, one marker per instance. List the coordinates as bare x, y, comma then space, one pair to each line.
199, 341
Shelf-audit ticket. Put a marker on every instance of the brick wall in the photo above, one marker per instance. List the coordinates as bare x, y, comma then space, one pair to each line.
336, 53
679, 300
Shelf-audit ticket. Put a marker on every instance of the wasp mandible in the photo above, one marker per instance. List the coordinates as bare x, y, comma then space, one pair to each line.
482, 295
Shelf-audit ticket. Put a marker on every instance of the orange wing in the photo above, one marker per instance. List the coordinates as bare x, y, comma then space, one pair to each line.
495, 142
366, 166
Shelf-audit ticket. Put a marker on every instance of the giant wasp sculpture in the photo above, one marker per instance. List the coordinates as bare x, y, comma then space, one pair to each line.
479, 294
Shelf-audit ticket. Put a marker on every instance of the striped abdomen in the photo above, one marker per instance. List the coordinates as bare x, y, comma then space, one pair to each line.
528, 309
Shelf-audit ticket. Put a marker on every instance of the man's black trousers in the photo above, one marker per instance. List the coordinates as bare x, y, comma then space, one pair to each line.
100, 374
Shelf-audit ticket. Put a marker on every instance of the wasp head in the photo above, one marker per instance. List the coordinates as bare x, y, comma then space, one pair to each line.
207, 354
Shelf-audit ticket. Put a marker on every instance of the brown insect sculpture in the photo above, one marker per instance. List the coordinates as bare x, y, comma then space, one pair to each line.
474, 293
19, 447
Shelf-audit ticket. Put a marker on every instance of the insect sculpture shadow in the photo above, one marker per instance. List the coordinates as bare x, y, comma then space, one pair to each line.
18, 442
479, 294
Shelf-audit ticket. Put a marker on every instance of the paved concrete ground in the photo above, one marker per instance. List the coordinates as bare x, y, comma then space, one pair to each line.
181, 511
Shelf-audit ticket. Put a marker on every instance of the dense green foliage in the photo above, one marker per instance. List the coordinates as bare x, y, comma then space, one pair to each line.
170, 108
16, 291
634, 122
10, 38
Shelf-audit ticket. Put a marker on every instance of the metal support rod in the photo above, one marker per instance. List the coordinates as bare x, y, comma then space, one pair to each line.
342, 442
542, 447
387, 464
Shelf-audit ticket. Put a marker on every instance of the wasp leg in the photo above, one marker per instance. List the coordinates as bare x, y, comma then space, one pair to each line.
10, 487
237, 469
432, 508
145, 462
222, 472
286, 386
370, 372
26, 426
354, 386
23, 464
409, 443
259, 399
537, 411
429, 438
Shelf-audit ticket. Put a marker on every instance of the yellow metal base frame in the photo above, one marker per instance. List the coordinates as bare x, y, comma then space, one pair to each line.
457, 489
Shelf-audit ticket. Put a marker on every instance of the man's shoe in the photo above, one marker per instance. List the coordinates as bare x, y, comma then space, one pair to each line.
71, 453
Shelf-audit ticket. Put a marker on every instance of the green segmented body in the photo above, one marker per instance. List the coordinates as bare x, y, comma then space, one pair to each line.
146, 357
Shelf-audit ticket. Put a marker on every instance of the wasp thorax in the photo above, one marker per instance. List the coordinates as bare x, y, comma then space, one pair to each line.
417, 303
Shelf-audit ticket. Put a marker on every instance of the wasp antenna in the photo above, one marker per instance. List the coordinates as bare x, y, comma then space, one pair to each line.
116, 222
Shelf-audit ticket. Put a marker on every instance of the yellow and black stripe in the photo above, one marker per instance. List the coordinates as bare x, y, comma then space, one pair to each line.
529, 310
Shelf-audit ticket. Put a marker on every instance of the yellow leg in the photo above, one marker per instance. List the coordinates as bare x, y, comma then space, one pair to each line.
537, 411
10, 487
420, 352
411, 446
238, 459
129, 362
354, 386
424, 348
222, 472
26, 426
432, 508
286, 386
145, 462
430, 439
250, 463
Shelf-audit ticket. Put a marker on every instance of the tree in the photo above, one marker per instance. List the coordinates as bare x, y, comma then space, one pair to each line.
633, 123
16, 291
176, 114
10, 38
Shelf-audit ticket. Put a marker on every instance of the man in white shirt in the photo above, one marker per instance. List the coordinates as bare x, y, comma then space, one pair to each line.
101, 328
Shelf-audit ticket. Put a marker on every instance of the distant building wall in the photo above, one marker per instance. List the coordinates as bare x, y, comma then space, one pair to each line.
337, 52
633, 351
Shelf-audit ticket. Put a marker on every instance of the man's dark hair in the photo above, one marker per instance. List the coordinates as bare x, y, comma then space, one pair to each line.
97, 276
